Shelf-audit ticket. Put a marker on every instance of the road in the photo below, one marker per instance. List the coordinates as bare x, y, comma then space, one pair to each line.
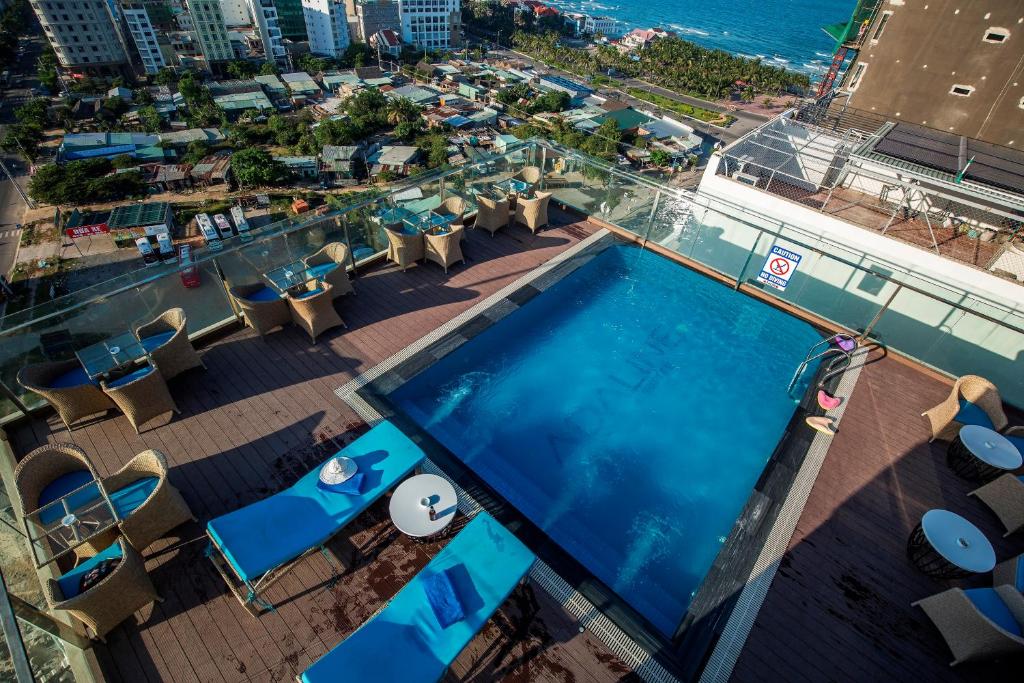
745, 121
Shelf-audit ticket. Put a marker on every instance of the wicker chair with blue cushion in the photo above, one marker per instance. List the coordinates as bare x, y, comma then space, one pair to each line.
146, 502
978, 624
264, 309
330, 264
973, 401
1010, 573
313, 310
65, 386
124, 589
1004, 495
166, 340
141, 395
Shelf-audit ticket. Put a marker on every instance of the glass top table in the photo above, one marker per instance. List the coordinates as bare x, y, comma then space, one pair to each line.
80, 517
102, 358
428, 221
290, 275
513, 186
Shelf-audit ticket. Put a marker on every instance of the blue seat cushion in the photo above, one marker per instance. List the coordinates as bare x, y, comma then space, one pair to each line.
359, 253
130, 377
72, 378
156, 341
70, 583
322, 269
1017, 441
128, 499
442, 599
971, 414
264, 295
312, 292
1018, 581
60, 487
989, 603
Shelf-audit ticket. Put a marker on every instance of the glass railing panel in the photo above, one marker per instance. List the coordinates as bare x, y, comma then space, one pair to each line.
723, 243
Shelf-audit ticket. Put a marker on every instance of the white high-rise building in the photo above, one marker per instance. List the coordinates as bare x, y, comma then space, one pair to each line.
431, 24
84, 34
236, 13
326, 26
208, 24
268, 26
144, 35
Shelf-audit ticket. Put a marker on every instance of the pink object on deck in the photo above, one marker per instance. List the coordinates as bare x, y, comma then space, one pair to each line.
828, 402
820, 423
845, 343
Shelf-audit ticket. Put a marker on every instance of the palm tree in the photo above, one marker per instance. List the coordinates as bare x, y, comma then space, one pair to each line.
400, 110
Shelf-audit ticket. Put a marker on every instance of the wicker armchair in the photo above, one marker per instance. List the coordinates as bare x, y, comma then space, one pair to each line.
44, 466
971, 634
403, 248
262, 315
529, 174
453, 206
314, 311
141, 395
146, 518
331, 264
119, 595
173, 355
978, 391
444, 250
533, 213
67, 388
1010, 573
491, 215
1005, 497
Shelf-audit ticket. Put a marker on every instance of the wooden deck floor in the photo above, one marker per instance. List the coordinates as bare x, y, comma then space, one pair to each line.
839, 608
257, 420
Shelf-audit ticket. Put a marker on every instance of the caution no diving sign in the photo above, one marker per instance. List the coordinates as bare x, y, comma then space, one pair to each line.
778, 267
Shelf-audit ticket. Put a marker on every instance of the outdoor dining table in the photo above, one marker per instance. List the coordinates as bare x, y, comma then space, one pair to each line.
982, 454
513, 186
100, 359
82, 518
944, 545
428, 221
290, 276
411, 503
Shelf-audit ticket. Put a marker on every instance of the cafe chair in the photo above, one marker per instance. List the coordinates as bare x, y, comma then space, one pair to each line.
491, 215
145, 501
124, 590
263, 308
978, 624
313, 310
454, 207
973, 400
445, 249
166, 340
404, 248
331, 265
1005, 497
50, 472
1010, 573
141, 395
65, 386
529, 174
533, 213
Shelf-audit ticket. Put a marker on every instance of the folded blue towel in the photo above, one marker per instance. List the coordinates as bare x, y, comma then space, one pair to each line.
352, 486
442, 599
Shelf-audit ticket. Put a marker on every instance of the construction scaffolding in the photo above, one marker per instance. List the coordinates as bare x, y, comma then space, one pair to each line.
840, 170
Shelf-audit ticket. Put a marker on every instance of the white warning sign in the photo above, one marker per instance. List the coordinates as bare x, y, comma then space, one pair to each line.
779, 267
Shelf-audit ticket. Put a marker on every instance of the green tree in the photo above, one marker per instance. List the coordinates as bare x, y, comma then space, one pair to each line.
408, 130
269, 69
401, 110
46, 68
195, 151
604, 142
165, 76
150, 119
87, 180
285, 131
514, 93
241, 69
660, 157
254, 167
123, 161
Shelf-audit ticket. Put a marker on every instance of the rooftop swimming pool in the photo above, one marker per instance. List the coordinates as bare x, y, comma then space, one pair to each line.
627, 411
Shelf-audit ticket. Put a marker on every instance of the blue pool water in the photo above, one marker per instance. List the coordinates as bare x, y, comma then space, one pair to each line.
628, 412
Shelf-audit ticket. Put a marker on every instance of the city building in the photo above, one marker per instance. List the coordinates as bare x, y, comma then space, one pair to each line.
144, 35
268, 29
639, 38
236, 13
606, 26
291, 19
431, 24
208, 23
577, 91
386, 42
326, 26
366, 18
954, 66
84, 35
141, 146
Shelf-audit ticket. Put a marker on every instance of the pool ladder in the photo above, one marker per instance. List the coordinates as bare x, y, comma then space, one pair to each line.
841, 362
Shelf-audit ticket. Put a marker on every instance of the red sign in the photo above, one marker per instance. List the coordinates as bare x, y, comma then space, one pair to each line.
779, 266
88, 230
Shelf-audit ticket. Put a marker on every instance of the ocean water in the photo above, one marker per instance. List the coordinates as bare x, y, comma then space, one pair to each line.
628, 412
785, 33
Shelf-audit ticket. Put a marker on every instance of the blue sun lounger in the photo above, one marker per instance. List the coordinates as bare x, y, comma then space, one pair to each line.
405, 642
260, 542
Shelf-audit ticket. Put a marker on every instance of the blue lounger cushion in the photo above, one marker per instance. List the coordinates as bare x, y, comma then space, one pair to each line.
443, 599
971, 414
70, 583
485, 562
278, 529
992, 606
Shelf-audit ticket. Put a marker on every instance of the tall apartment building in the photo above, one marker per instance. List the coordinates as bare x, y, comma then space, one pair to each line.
236, 13
267, 24
366, 18
431, 24
148, 22
947, 64
208, 24
326, 26
84, 34
291, 19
